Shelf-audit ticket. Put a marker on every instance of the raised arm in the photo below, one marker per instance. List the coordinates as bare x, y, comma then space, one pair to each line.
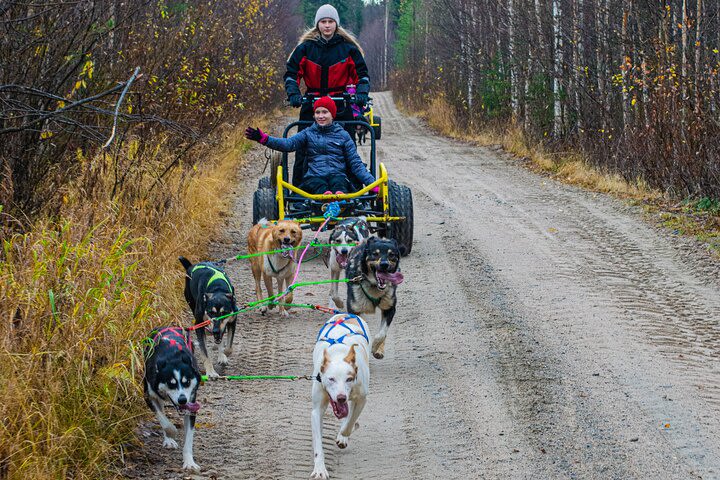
277, 143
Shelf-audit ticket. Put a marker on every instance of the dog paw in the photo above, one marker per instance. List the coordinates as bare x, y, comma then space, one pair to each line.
191, 465
213, 375
378, 349
170, 443
222, 359
263, 310
284, 313
342, 441
320, 473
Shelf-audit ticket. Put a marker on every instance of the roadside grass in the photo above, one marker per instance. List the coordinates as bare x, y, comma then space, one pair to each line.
80, 290
699, 218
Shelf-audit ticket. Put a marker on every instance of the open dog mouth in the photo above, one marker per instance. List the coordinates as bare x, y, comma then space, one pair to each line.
189, 408
287, 253
341, 259
339, 409
383, 278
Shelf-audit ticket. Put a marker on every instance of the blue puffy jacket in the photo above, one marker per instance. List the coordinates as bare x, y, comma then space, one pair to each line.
329, 150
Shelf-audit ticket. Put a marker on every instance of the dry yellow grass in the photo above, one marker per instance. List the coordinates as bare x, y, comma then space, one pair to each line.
79, 292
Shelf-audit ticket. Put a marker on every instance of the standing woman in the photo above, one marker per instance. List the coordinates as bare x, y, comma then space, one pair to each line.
329, 59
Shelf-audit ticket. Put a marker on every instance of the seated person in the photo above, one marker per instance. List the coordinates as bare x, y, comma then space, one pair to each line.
330, 152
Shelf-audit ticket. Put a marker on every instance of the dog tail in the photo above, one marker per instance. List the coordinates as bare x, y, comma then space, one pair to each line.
185, 262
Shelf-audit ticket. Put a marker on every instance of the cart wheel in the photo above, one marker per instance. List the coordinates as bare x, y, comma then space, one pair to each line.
401, 205
264, 205
378, 129
264, 182
271, 180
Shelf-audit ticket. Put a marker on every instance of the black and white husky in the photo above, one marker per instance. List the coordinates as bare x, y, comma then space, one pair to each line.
347, 232
171, 374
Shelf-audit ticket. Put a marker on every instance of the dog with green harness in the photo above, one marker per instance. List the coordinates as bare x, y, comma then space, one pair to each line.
211, 296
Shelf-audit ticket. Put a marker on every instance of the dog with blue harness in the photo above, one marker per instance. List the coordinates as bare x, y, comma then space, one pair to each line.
341, 369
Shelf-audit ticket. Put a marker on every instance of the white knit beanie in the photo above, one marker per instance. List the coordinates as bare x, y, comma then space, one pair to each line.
327, 11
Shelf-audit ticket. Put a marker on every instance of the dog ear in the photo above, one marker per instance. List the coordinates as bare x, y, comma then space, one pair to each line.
400, 248
326, 360
350, 357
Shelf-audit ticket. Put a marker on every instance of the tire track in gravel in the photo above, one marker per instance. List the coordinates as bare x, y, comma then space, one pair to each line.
542, 332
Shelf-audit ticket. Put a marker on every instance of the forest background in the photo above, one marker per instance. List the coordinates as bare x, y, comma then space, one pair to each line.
120, 134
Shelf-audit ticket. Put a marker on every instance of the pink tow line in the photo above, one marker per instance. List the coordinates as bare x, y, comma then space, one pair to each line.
302, 255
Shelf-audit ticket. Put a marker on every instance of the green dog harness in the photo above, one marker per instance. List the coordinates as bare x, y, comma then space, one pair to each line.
217, 275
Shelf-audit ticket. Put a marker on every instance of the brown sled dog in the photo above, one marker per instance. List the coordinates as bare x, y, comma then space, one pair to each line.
265, 237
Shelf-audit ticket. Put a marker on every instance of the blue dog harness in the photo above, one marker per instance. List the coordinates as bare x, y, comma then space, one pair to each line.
323, 333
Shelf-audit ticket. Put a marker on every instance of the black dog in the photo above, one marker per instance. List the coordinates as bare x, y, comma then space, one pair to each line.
211, 297
171, 374
377, 263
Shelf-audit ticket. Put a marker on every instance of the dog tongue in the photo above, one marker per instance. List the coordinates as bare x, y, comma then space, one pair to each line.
341, 259
339, 409
394, 278
191, 407
287, 253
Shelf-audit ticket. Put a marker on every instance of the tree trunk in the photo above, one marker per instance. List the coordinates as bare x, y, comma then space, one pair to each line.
558, 68
515, 106
385, 47
698, 57
579, 62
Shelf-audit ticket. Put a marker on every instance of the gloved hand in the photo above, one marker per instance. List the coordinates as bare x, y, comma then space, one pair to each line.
361, 99
375, 190
256, 134
295, 100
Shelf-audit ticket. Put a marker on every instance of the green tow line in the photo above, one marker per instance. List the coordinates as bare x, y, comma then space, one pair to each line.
299, 247
204, 378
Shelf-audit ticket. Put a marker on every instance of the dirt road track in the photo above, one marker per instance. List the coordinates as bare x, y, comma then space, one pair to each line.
542, 332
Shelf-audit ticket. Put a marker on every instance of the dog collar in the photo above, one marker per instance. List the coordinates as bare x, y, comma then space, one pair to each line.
272, 267
375, 301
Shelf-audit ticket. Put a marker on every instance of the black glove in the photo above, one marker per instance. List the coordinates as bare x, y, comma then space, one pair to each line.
295, 100
256, 134
361, 99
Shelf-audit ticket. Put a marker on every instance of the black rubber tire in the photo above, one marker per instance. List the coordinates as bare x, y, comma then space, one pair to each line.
264, 205
269, 181
378, 129
401, 205
264, 182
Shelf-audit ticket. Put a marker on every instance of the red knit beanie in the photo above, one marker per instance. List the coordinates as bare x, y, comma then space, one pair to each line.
326, 102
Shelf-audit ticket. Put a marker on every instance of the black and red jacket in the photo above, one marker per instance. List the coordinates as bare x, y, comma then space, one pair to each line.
327, 66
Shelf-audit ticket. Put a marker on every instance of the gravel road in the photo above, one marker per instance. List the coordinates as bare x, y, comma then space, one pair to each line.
542, 332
